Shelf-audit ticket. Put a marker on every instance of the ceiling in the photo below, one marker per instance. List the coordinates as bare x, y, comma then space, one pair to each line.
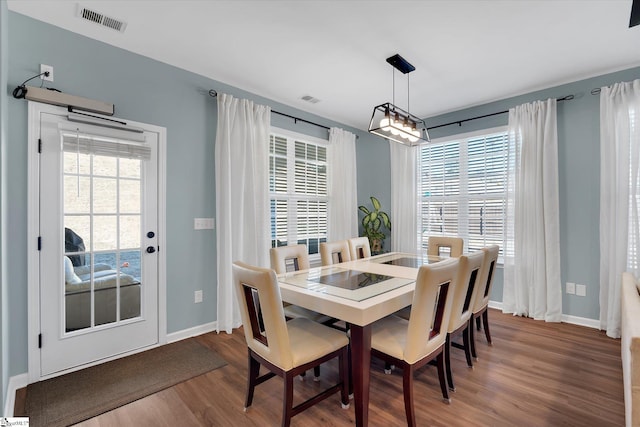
465, 52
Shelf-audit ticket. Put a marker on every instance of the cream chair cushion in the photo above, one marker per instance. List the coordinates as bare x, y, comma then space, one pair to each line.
311, 340
288, 344
334, 252
455, 245
414, 337
359, 245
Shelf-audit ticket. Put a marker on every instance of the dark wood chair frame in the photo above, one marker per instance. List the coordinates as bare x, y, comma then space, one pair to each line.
255, 360
484, 314
466, 333
409, 370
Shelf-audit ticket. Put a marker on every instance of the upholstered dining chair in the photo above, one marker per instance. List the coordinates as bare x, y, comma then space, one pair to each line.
284, 348
334, 252
359, 248
412, 344
454, 245
285, 259
466, 282
481, 299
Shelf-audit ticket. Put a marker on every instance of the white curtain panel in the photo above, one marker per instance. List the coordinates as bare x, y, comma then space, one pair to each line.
532, 285
619, 158
343, 187
242, 196
404, 198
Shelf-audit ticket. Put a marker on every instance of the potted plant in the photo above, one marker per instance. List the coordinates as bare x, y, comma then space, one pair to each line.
372, 223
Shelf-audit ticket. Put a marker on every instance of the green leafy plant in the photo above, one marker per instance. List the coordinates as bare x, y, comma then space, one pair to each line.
373, 222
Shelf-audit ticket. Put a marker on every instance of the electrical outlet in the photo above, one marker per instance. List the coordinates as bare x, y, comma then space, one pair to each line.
203, 224
571, 288
197, 297
44, 68
581, 290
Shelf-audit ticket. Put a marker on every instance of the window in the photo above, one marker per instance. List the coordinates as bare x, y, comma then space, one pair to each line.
462, 189
298, 190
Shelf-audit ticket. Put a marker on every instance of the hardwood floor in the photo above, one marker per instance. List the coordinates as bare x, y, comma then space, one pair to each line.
535, 374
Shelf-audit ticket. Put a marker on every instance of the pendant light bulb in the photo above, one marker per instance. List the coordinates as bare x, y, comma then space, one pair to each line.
385, 123
396, 125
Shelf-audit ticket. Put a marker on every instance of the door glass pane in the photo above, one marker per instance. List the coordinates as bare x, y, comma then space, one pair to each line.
105, 232
130, 201
77, 190
102, 219
129, 168
105, 192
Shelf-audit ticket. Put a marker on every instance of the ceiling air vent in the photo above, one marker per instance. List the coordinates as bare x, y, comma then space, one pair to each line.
310, 99
101, 19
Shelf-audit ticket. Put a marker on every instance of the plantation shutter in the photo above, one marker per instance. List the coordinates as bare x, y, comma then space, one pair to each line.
299, 192
462, 189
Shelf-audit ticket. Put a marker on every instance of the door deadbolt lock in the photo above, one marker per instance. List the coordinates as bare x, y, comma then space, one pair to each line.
150, 249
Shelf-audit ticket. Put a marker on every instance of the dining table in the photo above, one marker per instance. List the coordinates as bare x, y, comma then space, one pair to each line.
358, 292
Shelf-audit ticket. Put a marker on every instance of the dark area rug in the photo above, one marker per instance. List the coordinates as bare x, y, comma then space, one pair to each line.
75, 397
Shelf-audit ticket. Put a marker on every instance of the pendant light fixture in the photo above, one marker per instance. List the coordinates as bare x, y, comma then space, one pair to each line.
392, 122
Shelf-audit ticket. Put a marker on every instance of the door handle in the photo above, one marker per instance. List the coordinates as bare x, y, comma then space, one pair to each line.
150, 249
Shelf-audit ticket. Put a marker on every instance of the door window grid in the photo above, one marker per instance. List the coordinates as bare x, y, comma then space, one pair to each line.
97, 217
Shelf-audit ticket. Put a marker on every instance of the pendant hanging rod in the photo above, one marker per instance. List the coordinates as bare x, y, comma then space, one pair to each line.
214, 94
459, 122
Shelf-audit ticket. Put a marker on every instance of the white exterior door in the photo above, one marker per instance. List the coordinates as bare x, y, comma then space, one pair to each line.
98, 242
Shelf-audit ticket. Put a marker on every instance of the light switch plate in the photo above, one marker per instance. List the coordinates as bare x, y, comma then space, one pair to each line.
581, 290
197, 296
203, 223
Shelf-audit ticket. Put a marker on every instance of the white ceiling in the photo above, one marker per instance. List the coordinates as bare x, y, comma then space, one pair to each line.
465, 52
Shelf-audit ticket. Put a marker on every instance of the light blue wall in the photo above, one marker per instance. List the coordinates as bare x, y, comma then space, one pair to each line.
149, 91
142, 90
579, 178
4, 336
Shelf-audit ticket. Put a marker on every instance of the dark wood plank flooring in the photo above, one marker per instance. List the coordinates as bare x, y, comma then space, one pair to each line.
535, 374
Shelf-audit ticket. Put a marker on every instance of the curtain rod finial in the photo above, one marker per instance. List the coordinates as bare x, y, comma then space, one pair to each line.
213, 93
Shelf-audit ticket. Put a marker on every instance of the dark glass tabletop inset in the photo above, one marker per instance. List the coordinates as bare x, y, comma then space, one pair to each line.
341, 282
408, 262
350, 279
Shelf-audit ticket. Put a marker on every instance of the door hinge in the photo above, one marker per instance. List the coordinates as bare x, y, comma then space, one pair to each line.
39, 340
39, 243
39, 145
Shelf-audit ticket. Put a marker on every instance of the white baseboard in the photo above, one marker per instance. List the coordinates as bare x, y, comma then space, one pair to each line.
15, 383
191, 332
574, 320
495, 304
581, 321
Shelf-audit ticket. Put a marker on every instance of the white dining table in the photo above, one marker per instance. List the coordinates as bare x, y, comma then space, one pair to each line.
359, 293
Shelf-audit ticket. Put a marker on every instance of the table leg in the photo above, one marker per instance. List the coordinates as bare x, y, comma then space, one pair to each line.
361, 366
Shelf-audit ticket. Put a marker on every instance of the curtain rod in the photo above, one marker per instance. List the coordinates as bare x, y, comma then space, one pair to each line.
214, 94
459, 122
